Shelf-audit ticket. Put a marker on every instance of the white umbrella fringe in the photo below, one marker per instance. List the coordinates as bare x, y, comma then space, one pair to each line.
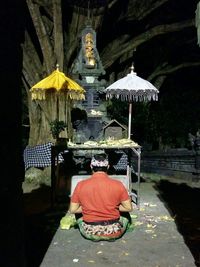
139, 96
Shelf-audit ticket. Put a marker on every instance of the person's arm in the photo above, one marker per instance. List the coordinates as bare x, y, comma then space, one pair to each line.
126, 206
75, 208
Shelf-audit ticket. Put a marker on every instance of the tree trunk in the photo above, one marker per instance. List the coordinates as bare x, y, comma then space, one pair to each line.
43, 37
58, 33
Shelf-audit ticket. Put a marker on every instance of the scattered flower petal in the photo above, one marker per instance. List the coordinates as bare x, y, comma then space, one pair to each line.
134, 216
149, 225
138, 223
142, 209
149, 231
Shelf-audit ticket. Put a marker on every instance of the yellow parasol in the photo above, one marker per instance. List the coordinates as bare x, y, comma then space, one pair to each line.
58, 82
64, 88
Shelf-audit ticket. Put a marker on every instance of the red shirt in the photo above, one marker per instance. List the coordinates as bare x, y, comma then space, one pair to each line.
99, 197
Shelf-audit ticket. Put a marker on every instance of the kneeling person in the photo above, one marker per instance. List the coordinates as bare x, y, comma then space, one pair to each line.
101, 199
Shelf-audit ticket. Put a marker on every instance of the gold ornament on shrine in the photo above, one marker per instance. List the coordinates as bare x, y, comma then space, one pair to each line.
89, 50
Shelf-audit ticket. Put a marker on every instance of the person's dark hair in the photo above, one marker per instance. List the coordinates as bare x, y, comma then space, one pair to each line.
99, 169
101, 157
99, 162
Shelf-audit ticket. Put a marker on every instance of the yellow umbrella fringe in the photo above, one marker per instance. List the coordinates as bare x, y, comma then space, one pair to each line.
40, 95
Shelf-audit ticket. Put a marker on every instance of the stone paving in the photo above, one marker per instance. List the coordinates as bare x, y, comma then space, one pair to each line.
155, 241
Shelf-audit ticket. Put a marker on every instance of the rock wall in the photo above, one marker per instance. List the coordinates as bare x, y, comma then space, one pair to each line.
180, 163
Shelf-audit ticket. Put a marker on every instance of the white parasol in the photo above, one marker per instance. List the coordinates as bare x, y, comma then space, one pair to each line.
132, 88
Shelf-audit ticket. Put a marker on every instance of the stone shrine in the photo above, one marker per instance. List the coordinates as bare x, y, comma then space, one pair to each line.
88, 71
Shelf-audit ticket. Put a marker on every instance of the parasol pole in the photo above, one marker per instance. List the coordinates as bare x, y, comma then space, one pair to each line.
57, 106
128, 170
57, 98
129, 120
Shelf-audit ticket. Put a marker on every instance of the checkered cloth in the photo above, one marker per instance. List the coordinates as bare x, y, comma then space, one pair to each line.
122, 162
39, 156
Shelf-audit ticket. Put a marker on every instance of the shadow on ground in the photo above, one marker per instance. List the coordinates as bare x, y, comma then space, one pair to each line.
182, 201
41, 222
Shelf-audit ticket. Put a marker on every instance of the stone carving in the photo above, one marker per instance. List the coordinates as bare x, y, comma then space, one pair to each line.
195, 143
89, 50
197, 23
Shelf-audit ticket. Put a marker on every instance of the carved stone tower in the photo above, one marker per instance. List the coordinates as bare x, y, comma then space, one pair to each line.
88, 71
